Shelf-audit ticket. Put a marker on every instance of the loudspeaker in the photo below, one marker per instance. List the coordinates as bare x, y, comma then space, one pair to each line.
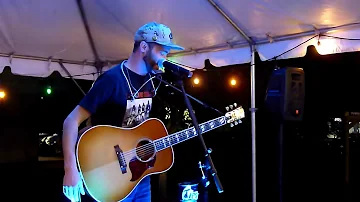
285, 94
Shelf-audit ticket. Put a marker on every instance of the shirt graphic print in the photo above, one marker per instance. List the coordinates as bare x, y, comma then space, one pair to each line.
137, 111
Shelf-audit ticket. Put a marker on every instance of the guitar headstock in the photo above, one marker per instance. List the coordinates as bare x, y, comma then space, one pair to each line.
235, 114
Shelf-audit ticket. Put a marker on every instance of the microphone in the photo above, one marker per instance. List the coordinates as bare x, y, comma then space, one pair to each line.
178, 70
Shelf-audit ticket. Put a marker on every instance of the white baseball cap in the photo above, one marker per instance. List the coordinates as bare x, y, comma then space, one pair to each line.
157, 33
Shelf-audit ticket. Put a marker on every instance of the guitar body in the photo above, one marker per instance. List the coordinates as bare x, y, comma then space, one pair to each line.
113, 160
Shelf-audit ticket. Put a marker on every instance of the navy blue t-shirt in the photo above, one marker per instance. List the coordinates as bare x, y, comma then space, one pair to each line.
110, 102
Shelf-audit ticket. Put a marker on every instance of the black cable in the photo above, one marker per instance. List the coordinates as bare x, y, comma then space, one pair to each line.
319, 35
273, 58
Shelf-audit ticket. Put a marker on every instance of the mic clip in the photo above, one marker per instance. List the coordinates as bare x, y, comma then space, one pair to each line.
179, 71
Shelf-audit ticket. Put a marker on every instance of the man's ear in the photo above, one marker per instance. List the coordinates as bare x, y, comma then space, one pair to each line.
144, 47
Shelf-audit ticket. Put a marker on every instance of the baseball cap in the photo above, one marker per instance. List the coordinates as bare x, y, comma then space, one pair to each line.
157, 33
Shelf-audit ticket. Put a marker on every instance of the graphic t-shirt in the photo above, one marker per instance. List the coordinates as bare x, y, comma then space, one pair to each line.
137, 110
110, 100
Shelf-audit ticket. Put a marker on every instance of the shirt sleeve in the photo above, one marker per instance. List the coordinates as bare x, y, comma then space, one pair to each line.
99, 93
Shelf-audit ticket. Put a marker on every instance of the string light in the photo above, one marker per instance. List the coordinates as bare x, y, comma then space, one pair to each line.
48, 90
233, 82
196, 81
2, 94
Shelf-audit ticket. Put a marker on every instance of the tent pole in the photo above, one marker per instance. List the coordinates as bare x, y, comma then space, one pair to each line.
231, 21
252, 109
90, 63
98, 63
253, 136
68, 73
87, 29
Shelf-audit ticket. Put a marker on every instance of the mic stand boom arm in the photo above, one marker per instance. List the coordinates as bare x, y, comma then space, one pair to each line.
210, 165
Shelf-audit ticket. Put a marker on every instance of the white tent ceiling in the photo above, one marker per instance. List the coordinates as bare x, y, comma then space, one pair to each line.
45, 29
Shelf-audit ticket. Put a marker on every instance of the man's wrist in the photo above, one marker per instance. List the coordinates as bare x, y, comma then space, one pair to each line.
70, 163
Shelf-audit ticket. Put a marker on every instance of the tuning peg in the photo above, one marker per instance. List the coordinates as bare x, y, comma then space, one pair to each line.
235, 105
231, 107
231, 125
236, 123
227, 108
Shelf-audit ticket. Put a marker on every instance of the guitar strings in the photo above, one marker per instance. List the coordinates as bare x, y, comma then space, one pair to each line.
150, 148
179, 133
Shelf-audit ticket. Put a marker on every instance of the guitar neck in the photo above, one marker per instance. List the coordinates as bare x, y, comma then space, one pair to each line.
189, 133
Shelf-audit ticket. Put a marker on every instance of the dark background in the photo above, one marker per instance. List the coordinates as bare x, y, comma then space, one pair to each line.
314, 165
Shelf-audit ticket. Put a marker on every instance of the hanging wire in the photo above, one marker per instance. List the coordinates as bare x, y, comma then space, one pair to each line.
273, 58
318, 35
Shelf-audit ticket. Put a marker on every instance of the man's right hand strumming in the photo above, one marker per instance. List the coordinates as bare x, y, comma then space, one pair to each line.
72, 183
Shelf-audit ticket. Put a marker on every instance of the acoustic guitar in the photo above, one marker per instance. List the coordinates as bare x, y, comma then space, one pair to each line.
113, 160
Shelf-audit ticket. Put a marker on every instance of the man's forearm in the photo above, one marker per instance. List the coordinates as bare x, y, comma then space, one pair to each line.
70, 135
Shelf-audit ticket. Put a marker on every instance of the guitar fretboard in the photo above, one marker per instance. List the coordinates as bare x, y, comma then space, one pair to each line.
186, 134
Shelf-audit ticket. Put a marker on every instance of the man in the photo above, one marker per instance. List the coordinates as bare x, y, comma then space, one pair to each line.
122, 97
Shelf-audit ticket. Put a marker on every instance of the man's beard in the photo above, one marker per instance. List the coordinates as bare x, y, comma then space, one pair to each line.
149, 62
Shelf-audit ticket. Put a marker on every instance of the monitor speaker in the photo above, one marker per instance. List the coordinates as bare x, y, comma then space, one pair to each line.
285, 94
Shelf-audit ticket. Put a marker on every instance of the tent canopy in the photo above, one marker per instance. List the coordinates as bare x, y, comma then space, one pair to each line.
35, 34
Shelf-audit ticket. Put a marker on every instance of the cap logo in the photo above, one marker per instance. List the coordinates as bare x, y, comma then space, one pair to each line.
170, 36
163, 34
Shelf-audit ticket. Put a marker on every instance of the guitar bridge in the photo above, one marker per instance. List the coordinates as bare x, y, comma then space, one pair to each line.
121, 158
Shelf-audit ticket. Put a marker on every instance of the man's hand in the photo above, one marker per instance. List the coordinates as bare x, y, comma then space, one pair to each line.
73, 185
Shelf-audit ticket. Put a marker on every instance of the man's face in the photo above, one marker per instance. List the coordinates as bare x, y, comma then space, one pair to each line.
154, 53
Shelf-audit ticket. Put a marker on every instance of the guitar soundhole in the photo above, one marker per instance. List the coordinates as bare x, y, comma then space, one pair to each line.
145, 150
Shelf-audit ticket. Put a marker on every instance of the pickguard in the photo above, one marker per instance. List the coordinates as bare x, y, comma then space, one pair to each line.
138, 168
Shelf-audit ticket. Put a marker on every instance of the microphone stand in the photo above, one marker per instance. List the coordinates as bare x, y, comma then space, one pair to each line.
209, 165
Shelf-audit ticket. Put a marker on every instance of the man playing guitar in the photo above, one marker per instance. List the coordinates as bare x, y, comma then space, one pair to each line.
122, 97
